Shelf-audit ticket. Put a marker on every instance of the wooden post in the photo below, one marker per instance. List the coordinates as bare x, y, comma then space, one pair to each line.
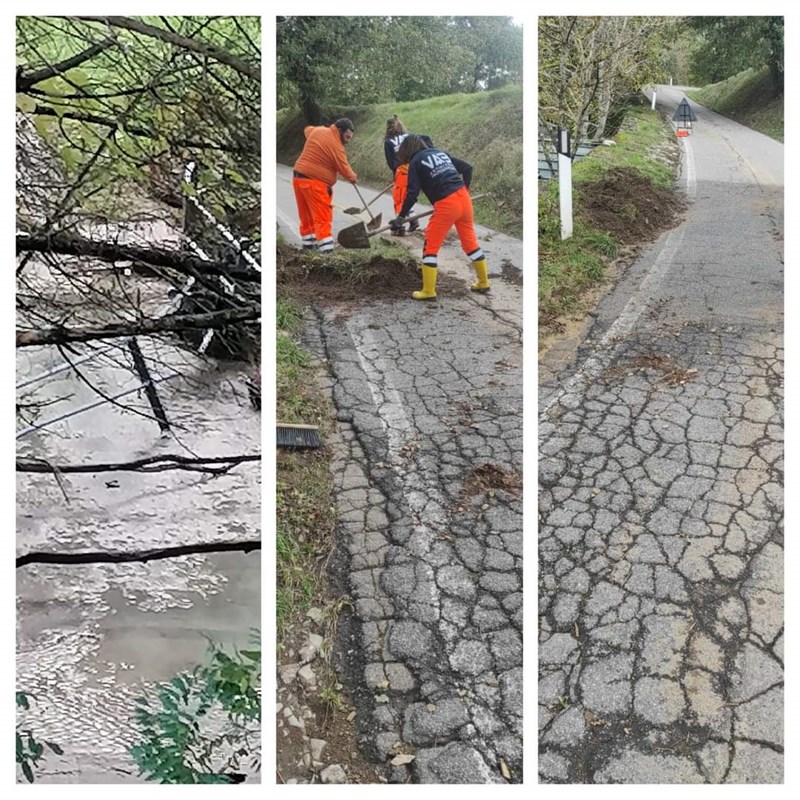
565, 182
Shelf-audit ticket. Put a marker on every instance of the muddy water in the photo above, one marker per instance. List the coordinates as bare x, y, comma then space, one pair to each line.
91, 638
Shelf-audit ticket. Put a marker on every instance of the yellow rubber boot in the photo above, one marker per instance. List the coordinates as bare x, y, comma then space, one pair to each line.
482, 271
428, 284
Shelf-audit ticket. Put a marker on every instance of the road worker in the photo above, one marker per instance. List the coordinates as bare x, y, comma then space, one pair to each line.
445, 181
395, 135
323, 159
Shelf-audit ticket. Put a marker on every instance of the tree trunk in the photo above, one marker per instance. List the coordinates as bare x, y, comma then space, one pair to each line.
312, 113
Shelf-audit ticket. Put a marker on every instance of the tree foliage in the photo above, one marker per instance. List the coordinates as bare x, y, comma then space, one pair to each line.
179, 739
587, 64
120, 99
346, 61
732, 44
110, 111
30, 750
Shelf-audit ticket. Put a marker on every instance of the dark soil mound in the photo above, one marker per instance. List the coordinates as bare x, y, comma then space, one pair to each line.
629, 207
352, 277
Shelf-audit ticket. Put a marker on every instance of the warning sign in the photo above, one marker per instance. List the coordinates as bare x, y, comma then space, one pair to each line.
684, 114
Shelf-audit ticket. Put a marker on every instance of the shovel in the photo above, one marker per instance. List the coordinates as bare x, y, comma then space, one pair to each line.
354, 210
356, 237
374, 222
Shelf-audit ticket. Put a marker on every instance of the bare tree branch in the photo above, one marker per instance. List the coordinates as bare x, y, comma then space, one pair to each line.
180, 41
146, 327
150, 464
112, 557
95, 119
74, 245
24, 82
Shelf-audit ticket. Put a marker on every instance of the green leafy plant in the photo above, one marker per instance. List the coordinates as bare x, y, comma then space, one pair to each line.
29, 750
202, 726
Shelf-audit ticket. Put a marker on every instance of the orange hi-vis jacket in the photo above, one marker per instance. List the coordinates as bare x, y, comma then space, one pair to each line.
323, 157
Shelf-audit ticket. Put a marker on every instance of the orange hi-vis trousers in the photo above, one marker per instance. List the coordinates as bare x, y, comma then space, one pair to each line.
315, 207
455, 209
400, 187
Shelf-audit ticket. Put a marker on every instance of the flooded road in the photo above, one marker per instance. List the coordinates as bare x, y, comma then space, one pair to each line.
92, 637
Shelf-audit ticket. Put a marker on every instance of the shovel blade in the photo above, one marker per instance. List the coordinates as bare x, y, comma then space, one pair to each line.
375, 222
355, 237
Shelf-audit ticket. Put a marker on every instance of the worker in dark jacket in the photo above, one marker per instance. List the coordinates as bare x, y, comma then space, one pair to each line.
395, 136
323, 159
445, 181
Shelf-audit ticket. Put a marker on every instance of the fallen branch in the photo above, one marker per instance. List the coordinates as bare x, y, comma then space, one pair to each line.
73, 245
172, 322
143, 556
150, 464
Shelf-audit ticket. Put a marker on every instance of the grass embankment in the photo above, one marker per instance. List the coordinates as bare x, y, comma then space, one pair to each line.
305, 503
644, 156
483, 128
748, 97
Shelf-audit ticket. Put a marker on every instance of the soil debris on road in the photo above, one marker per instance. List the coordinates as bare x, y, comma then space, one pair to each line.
629, 207
354, 277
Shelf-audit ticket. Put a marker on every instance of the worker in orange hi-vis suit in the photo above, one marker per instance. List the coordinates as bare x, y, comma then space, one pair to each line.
323, 159
445, 180
395, 135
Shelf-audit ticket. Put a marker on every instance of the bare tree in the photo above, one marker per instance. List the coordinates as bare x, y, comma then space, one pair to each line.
138, 184
587, 64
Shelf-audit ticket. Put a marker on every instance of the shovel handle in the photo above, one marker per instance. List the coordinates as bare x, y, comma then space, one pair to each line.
381, 194
420, 216
366, 207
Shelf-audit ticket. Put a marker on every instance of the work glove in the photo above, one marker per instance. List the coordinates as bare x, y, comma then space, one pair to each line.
397, 223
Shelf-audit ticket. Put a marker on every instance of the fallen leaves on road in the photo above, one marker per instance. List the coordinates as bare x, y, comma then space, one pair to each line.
672, 373
488, 477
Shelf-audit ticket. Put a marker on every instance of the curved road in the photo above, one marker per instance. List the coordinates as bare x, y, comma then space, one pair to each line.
661, 475
429, 401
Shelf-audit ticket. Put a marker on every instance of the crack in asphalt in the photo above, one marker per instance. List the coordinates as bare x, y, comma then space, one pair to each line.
661, 501
660, 555
433, 649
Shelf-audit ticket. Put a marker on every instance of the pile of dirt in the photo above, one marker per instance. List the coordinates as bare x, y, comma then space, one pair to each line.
626, 205
351, 278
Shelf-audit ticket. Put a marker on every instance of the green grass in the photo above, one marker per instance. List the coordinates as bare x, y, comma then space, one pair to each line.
483, 128
568, 269
639, 141
748, 97
305, 512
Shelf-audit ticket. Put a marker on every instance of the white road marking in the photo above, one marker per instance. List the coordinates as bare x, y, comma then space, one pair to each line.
289, 224
624, 323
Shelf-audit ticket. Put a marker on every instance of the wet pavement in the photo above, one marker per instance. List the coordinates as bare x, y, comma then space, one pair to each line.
431, 555
661, 497
92, 637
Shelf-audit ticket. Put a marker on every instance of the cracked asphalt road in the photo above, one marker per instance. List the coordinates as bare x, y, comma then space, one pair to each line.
425, 395
661, 494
